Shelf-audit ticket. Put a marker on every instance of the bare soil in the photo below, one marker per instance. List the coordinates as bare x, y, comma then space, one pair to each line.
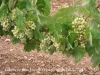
13, 61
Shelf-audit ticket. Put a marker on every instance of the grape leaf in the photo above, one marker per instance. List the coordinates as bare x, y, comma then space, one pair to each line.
46, 20
95, 33
47, 7
93, 23
95, 60
72, 37
90, 39
24, 4
31, 16
1, 31
64, 15
43, 6
92, 7
14, 40
78, 53
90, 50
58, 28
37, 33
95, 42
3, 10
20, 19
30, 45
0, 2
65, 28
85, 2
97, 18
82, 10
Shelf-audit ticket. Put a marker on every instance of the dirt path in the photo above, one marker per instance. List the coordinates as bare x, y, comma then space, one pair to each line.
13, 61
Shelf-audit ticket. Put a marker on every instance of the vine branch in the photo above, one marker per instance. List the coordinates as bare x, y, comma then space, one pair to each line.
87, 17
14, 1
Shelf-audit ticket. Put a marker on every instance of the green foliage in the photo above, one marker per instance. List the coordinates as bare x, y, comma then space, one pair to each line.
31, 16
30, 45
1, 31
14, 40
95, 33
64, 15
24, 4
85, 2
43, 6
20, 19
72, 37
73, 31
78, 53
3, 9
96, 60
0, 2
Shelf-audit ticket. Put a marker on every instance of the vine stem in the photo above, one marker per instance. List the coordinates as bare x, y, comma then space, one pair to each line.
14, 1
90, 14
87, 17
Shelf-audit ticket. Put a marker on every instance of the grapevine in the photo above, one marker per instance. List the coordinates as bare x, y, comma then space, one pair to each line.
73, 31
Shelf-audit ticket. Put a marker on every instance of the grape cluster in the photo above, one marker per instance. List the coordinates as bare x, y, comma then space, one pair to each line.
80, 25
25, 33
48, 42
20, 34
30, 24
6, 23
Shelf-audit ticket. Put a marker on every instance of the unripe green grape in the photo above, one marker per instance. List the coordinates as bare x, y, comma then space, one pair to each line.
83, 45
73, 26
33, 26
5, 23
29, 33
15, 32
23, 40
26, 32
57, 45
79, 25
49, 41
6, 27
30, 24
19, 34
